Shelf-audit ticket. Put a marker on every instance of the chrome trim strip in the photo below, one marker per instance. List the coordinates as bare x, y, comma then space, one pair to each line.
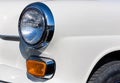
10, 38
4, 81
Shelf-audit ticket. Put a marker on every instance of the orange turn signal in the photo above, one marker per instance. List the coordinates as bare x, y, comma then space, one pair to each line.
36, 68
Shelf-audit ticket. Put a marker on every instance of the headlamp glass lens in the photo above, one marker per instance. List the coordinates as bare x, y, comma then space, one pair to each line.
32, 26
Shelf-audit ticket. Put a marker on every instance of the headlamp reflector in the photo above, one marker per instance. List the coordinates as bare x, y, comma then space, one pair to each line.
32, 26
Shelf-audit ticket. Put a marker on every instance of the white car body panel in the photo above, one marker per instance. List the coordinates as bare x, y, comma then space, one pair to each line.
85, 31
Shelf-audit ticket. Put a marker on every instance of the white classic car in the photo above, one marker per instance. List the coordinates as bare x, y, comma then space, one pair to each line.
59, 41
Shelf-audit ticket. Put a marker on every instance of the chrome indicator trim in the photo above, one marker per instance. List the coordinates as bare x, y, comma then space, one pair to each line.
50, 69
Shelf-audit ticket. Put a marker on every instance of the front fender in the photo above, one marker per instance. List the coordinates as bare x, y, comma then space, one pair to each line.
83, 30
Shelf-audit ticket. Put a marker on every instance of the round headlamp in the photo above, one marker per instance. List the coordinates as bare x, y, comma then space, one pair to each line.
32, 26
36, 25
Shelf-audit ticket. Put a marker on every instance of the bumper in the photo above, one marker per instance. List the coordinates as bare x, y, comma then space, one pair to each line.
12, 74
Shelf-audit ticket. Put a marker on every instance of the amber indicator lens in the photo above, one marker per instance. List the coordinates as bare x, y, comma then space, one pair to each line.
36, 68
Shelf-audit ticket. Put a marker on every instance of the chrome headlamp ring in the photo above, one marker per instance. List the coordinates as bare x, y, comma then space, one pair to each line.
48, 29
36, 29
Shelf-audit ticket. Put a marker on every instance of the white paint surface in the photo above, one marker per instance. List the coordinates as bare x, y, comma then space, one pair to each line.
84, 32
